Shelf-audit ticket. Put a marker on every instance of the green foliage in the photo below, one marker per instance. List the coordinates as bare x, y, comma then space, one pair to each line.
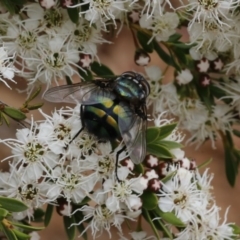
101, 70
156, 143
12, 205
70, 230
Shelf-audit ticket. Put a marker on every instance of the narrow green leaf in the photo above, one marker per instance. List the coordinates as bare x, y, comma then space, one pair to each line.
152, 134
162, 54
101, 70
139, 168
14, 113
35, 106
73, 14
20, 235
169, 217
166, 130
27, 227
38, 215
3, 213
168, 177
161, 225
5, 118
149, 200
86, 75
204, 164
143, 40
175, 37
159, 151
7, 232
236, 229
230, 166
48, 214
78, 218
169, 144
147, 217
236, 132
70, 230
182, 45
34, 94
12, 205
69, 80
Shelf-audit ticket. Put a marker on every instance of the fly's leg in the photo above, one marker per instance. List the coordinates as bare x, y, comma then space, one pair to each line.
117, 158
83, 124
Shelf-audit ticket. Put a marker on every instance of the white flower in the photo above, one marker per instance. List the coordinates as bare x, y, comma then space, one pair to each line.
57, 61
86, 37
102, 10
184, 77
162, 26
181, 195
207, 226
70, 182
217, 10
30, 154
30, 192
101, 217
58, 131
123, 193
154, 76
6, 67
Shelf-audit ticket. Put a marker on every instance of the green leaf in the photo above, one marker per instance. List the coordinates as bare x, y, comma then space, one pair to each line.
143, 40
204, 164
86, 75
139, 168
7, 232
149, 200
3, 213
73, 14
20, 235
230, 166
147, 217
38, 215
163, 55
68, 221
175, 37
5, 118
34, 94
48, 214
169, 217
161, 225
236, 132
152, 134
13, 5
182, 45
181, 56
168, 177
27, 227
35, 106
169, 144
101, 70
166, 130
14, 113
159, 151
69, 80
79, 217
236, 229
12, 205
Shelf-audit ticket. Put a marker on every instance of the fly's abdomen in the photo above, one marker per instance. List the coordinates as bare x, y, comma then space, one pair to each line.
101, 120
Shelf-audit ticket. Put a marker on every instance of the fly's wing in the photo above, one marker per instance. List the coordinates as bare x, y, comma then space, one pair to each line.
84, 92
133, 131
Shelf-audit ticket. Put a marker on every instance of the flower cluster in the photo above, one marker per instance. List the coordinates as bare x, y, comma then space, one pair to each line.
57, 167
93, 182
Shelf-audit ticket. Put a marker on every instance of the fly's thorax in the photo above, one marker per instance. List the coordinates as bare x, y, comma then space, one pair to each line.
132, 88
